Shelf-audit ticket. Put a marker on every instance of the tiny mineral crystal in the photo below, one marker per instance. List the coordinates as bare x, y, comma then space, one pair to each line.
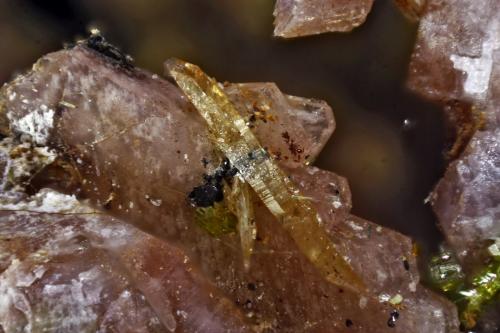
457, 62
294, 18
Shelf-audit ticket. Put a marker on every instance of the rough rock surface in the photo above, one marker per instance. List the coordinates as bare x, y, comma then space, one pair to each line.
294, 18
135, 146
457, 62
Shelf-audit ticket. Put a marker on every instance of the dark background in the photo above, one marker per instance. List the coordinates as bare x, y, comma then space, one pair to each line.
388, 142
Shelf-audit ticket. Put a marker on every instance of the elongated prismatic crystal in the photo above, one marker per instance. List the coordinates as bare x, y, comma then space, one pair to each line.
235, 140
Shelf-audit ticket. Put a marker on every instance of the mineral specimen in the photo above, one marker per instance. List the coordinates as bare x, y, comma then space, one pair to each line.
457, 58
236, 141
136, 148
294, 18
457, 62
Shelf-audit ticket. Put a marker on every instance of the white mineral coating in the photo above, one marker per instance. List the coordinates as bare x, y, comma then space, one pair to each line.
454, 53
467, 199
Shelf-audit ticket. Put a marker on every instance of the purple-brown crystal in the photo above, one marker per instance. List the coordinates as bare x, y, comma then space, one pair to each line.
136, 148
457, 62
294, 18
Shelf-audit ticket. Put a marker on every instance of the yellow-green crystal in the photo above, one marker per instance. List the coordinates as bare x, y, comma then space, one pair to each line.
237, 142
445, 272
217, 220
471, 298
485, 289
239, 201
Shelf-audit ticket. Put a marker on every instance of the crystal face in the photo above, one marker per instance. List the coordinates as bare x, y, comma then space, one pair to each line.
237, 142
72, 270
135, 147
294, 18
457, 58
412, 9
457, 62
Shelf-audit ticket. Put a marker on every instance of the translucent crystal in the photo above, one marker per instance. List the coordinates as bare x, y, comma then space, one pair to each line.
454, 52
457, 62
297, 127
134, 139
446, 272
216, 220
240, 202
294, 18
236, 141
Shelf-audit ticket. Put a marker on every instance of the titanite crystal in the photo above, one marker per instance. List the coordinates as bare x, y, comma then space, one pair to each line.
294, 18
236, 141
136, 147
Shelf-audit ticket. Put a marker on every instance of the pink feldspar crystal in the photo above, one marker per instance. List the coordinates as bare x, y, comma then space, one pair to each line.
70, 270
412, 9
457, 62
294, 18
135, 146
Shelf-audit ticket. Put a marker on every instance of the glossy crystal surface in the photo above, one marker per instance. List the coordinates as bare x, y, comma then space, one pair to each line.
236, 141
457, 58
135, 147
294, 18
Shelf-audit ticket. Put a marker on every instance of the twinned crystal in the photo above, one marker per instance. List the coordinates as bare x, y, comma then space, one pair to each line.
296, 18
236, 141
